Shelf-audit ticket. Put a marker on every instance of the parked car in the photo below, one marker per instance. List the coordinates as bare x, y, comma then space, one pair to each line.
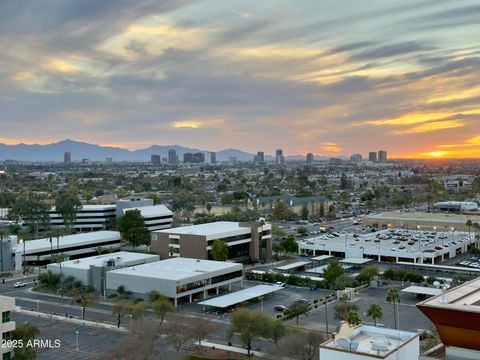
279, 284
19, 284
279, 308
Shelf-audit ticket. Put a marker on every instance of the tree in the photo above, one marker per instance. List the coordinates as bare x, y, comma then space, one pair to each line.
138, 309
352, 317
289, 245
296, 309
184, 202
178, 333
200, 328
49, 279
162, 307
219, 250
367, 273
85, 298
375, 312
280, 212
32, 211
302, 231
332, 272
393, 297
67, 204
276, 330
342, 309
25, 333
304, 214
123, 292
248, 325
120, 308
133, 229
299, 345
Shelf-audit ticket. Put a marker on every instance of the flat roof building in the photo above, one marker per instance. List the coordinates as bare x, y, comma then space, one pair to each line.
7, 326
176, 278
156, 217
457, 207
91, 270
456, 315
245, 241
370, 342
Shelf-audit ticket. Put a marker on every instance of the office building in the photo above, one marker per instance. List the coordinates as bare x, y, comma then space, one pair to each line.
370, 343
176, 278
279, 158
172, 157
456, 315
91, 270
356, 158
309, 159
38, 252
213, 157
7, 306
156, 160
382, 156
156, 217
109, 160
188, 158
372, 156
458, 207
245, 241
67, 157
259, 158
198, 158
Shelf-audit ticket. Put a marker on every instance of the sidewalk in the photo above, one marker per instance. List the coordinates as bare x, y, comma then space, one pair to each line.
232, 349
72, 320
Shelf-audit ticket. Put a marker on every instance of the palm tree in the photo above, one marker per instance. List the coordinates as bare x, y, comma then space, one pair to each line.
476, 226
352, 317
469, 223
2, 234
393, 297
375, 312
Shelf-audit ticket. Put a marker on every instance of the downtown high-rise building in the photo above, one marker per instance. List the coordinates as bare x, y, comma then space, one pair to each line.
67, 157
196, 158
156, 160
172, 157
356, 158
372, 156
382, 156
309, 159
259, 158
279, 158
213, 157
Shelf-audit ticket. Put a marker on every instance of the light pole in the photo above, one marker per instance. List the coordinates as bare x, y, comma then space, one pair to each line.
131, 321
76, 340
38, 305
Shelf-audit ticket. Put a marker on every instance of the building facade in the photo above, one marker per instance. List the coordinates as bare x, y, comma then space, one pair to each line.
279, 158
372, 156
155, 160
7, 306
382, 156
245, 241
67, 157
172, 157
309, 159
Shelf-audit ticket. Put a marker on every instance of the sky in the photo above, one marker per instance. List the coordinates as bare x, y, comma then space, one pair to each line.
328, 77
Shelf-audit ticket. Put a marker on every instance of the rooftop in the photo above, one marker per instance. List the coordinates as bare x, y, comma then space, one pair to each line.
454, 218
240, 296
151, 210
217, 228
178, 268
370, 340
119, 257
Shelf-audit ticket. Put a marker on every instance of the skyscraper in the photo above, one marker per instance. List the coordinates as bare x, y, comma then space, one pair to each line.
259, 158
172, 157
372, 156
279, 158
188, 158
356, 158
67, 157
382, 156
155, 160
213, 157
309, 159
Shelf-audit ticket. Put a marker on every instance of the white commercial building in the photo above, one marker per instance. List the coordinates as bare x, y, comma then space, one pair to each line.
78, 245
7, 305
370, 342
91, 270
156, 217
176, 278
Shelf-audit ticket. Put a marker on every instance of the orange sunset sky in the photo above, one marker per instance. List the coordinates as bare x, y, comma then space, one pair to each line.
328, 77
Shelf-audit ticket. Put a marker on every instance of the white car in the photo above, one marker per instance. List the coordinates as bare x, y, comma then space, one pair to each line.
19, 284
279, 284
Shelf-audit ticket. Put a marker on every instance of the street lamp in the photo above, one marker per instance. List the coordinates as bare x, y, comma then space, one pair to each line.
76, 340
38, 305
131, 321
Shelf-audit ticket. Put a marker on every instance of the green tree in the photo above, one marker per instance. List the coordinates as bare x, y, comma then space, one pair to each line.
67, 204
393, 297
302, 231
120, 309
32, 210
289, 245
162, 307
200, 329
332, 272
133, 229
352, 317
49, 279
305, 212
84, 297
25, 333
249, 325
375, 312
280, 212
219, 250
296, 309
276, 330
367, 273
341, 310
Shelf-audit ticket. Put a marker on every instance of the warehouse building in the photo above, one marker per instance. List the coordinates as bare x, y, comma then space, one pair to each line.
92, 270
245, 241
176, 278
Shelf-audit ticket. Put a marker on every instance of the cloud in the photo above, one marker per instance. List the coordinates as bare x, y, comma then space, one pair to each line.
431, 127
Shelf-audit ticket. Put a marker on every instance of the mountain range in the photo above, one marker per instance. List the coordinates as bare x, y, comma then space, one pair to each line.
82, 150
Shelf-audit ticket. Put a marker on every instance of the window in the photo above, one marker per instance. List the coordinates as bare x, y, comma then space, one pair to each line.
7, 356
7, 335
5, 316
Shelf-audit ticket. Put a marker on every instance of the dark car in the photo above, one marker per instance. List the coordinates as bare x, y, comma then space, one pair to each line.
280, 308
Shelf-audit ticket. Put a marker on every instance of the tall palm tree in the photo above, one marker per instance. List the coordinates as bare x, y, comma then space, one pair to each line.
375, 312
476, 226
393, 297
469, 224
2, 234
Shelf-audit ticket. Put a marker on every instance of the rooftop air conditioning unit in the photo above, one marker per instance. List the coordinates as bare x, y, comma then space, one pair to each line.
380, 345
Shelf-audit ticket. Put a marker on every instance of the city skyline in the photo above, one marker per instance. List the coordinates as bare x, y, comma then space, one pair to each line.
328, 78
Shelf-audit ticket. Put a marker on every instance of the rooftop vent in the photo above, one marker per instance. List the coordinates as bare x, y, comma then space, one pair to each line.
380, 345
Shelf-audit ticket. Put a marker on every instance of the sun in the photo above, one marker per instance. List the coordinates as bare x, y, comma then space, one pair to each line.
436, 154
